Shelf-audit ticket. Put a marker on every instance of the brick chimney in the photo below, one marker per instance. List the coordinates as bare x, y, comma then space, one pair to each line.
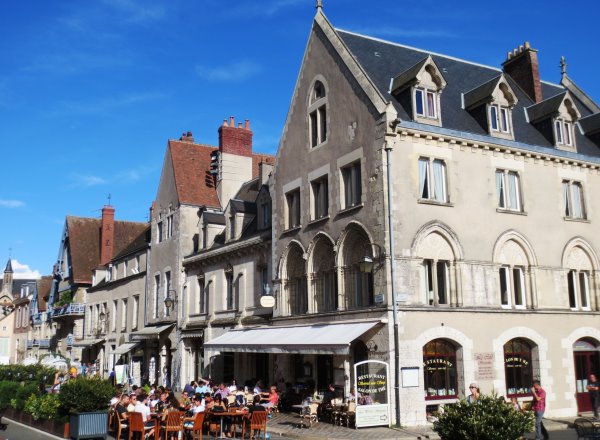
107, 234
187, 137
235, 158
235, 140
522, 66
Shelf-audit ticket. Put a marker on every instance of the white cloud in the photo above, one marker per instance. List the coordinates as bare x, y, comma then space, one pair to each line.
5, 203
237, 71
87, 180
23, 271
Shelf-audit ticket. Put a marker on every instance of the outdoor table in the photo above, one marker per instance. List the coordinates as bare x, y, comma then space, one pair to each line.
233, 414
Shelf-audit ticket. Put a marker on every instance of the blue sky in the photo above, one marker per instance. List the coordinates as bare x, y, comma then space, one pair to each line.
91, 91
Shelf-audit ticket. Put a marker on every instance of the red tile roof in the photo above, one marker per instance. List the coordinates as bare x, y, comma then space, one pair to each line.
84, 244
191, 167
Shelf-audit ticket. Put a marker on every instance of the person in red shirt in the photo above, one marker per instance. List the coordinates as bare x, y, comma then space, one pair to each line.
539, 406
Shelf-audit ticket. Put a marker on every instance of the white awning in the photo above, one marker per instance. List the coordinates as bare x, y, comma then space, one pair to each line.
150, 332
125, 348
332, 338
87, 342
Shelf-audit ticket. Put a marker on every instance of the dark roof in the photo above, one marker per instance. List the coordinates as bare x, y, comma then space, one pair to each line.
43, 292
217, 218
140, 242
590, 124
248, 191
482, 93
8, 266
84, 244
17, 284
382, 60
408, 76
545, 108
243, 206
191, 166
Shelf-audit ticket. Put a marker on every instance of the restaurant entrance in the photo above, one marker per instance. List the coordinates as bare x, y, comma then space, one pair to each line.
587, 361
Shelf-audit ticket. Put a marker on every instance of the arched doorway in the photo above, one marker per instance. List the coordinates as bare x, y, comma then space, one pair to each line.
521, 366
440, 369
586, 353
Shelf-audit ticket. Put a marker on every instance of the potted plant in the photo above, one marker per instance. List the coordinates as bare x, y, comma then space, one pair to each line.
86, 401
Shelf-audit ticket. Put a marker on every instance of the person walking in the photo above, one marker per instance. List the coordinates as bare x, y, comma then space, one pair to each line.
593, 388
539, 407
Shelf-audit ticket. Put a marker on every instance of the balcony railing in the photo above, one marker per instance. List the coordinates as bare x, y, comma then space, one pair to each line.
44, 343
30, 343
73, 309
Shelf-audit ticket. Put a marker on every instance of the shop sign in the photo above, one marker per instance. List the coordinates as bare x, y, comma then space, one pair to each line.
485, 366
437, 364
267, 301
371, 382
515, 362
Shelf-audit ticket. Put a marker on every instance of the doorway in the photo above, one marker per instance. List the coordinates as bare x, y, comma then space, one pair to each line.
587, 361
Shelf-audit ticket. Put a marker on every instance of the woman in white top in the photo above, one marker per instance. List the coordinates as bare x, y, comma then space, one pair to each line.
233, 387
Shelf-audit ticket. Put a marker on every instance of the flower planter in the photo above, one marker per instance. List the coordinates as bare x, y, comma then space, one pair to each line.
89, 425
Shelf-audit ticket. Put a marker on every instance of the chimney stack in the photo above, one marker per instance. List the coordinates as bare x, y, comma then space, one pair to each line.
522, 66
235, 140
187, 137
107, 234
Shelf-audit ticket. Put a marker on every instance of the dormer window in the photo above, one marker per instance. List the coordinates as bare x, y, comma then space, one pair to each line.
564, 132
425, 103
317, 114
499, 119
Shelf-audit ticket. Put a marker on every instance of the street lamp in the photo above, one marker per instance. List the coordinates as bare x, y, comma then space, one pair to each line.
171, 299
366, 263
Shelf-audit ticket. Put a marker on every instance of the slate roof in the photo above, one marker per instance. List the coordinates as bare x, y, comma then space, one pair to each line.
8, 266
191, 166
545, 108
17, 284
382, 60
84, 244
43, 291
481, 93
590, 124
217, 218
409, 75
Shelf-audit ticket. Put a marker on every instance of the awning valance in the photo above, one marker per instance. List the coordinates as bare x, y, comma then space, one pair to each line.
332, 338
87, 342
125, 348
150, 332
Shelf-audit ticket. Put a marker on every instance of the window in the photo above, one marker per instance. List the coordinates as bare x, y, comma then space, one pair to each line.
351, 180
426, 103
440, 372
508, 190
518, 367
573, 200
113, 321
156, 295
512, 287
563, 131
579, 289
167, 311
205, 236
169, 219
264, 281
432, 180
159, 232
232, 227
435, 282
499, 119
293, 208
124, 314
201, 295
320, 198
230, 290
266, 214
318, 115
135, 312
124, 268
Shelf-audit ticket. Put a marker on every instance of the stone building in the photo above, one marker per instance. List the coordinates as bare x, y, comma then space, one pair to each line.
491, 257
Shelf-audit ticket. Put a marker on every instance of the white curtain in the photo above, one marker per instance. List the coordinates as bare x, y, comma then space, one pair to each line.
500, 189
423, 178
566, 197
576, 201
439, 181
513, 187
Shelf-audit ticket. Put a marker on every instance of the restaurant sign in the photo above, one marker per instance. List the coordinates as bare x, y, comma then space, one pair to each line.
372, 386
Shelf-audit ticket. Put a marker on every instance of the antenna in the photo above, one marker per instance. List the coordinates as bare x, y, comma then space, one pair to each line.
109, 197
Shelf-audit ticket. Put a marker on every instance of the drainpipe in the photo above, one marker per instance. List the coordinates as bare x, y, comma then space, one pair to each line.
388, 150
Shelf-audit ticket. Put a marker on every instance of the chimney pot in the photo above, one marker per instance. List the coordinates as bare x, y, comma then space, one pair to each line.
239, 125
527, 46
247, 125
231, 121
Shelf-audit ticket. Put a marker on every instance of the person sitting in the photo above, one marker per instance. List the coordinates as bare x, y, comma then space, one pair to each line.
121, 407
185, 402
132, 402
203, 387
221, 391
258, 388
272, 400
233, 387
515, 404
190, 388
353, 396
172, 405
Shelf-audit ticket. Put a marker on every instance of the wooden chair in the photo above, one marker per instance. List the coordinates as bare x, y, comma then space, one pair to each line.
230, 400
257, 422
196, 429
122, 426
174, 424
349, 415
586, 429
136, 425
309, 413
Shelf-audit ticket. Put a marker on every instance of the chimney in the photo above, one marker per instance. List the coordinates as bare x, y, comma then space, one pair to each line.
235, 140
187, 137
522, 66
107, 234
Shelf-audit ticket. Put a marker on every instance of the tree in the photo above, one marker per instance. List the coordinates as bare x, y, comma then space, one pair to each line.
491, 418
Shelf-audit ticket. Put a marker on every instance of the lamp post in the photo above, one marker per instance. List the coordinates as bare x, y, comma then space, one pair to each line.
171, 299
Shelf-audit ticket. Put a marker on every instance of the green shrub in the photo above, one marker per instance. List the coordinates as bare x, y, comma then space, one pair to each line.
27, 373
85, 395
489, 419
22, 393
8, 390
65, 298
44, 407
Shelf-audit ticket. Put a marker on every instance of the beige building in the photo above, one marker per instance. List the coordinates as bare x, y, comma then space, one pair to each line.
493, 182
114, 310
39, 332
195, 178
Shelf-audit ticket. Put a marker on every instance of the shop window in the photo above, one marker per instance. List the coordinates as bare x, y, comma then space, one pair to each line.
518, 367
579, 289
440, 372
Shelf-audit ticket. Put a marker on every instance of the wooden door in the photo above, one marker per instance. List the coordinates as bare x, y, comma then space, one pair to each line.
586, 362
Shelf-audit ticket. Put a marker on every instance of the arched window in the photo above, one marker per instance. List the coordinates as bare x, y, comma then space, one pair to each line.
295, 281
324, 277
437, 270
580, 267
317, 114
358, 286
440, 370
519, 363
514, 258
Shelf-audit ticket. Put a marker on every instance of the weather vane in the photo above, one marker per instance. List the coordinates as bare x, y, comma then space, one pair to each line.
319, 4
109, 197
